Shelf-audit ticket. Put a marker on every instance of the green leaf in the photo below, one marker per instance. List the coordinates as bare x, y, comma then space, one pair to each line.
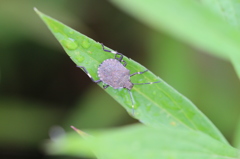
157, 105
189, 21
141, 142
229, 11
236, 139
69, 144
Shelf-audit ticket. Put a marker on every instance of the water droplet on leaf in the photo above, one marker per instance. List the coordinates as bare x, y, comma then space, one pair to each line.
79, 58
70, 44
86, 44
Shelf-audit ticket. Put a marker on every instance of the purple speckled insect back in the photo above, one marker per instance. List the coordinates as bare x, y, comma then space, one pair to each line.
114, 74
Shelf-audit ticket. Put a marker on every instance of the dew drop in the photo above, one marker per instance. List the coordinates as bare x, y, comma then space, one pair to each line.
85, 44
69, 44
79, 58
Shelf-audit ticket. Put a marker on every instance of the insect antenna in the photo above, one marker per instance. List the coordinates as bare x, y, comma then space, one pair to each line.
146, 83
130, 93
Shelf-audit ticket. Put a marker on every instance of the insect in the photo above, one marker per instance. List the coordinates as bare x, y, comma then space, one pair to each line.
113, 73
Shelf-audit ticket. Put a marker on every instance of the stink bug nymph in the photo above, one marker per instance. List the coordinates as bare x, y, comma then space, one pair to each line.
113, 73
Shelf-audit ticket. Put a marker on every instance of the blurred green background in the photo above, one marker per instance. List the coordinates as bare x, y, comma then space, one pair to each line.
40, 87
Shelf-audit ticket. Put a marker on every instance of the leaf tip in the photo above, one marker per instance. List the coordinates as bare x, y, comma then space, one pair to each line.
35, 9
79, 131
74, 128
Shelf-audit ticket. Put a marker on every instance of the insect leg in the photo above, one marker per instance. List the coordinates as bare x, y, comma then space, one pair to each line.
138, 73
105, 86
124, 63
145, 83
119, 58
85, 70
113, 52
130, 93
142, 83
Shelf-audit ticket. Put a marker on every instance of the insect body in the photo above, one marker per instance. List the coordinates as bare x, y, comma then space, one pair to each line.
114, 74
